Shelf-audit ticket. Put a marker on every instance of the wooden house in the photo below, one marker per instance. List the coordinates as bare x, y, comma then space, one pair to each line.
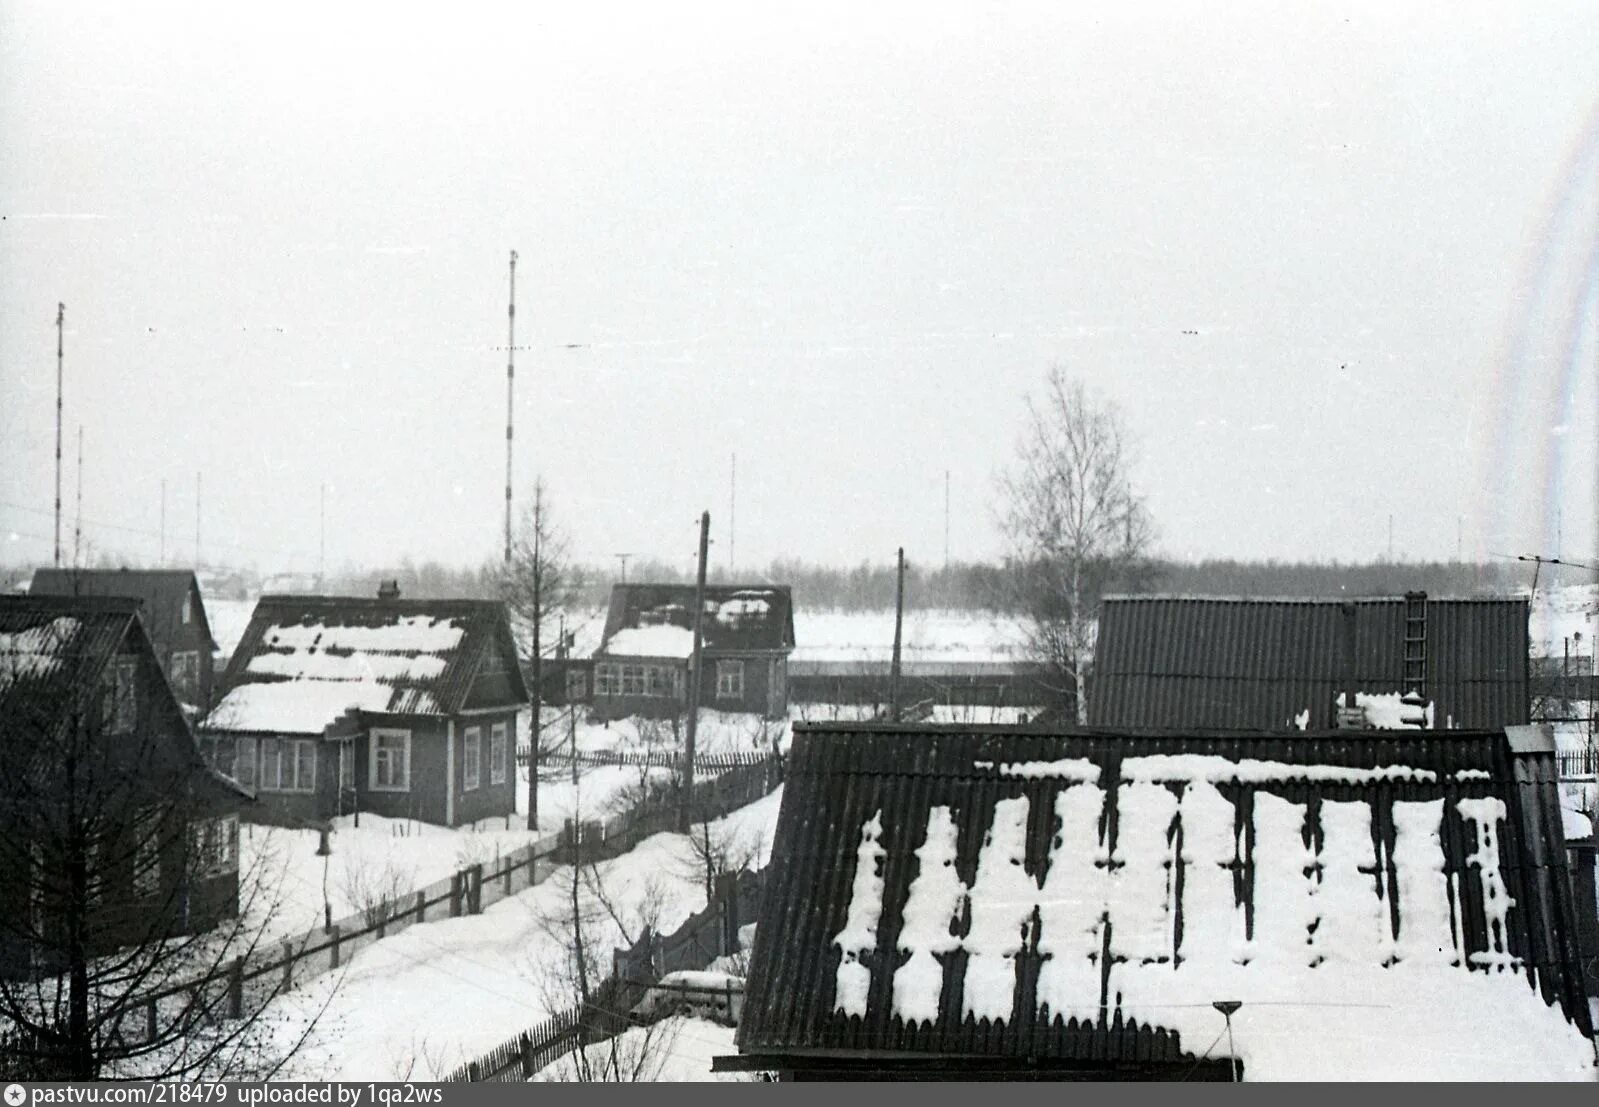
1034, 904
405, 708
642, 664
101, 775
174, 617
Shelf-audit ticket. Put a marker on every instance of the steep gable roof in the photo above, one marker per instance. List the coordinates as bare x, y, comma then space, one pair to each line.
160, 590
657, 620
305, 660
1198, 661
1378, 903
51, 645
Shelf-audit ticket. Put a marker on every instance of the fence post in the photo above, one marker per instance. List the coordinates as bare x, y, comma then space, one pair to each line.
236, 988
455, 895
421, 906
472, 1071
727, 908
337, 933
477, 888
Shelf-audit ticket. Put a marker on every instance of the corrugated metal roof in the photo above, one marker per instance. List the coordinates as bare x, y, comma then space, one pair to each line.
50, 645
842, 779
1224, 662
390, 656
739, 618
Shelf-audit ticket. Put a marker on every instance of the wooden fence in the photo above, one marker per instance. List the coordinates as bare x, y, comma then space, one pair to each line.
703, 937
247, 982
1577, 763
647, 759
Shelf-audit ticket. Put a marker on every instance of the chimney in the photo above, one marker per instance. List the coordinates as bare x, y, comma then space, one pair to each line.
389, 590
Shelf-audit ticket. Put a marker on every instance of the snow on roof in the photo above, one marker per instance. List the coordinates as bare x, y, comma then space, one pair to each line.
651, 641
1575, 824
1389, 711
37, 651
296, 706
409, 634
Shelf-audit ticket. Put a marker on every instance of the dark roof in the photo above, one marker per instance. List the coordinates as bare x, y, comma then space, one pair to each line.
739, 618
50, 645
1190, 661
305, 660
1121, 882
161, 591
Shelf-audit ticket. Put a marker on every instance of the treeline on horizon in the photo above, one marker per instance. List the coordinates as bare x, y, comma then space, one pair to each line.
969, 586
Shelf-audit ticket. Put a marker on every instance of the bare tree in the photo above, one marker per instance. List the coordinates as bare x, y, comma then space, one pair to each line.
1074, 525
123, 911
539, 584
715, 848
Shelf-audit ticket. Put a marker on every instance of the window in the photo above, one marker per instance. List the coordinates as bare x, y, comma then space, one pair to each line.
244, 761
576, 686
605, 680
188, 606
391, 761
288, 765
730, 680
659, 679
497, 752
147, 856
632, 680
471, 767
215, 845
186, 674
120, 708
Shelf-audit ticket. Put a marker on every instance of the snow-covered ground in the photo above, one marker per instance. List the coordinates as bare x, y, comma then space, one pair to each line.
441, 993
925, 636
674, 1050
1559, 615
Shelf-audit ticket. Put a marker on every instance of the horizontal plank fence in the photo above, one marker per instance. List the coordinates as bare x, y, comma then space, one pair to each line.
703, 937
249, 981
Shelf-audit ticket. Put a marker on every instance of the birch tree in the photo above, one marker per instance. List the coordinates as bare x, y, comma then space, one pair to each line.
1074, 526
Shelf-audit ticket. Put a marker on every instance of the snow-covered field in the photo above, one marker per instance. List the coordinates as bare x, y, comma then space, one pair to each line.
1559, 615
440, 993
925, 636
674, 1050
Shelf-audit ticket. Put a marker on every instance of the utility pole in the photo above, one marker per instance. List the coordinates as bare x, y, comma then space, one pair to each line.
510, 389
77, 527
899, 617
696, 677
163, 560
622, 557
538, 656
61, 319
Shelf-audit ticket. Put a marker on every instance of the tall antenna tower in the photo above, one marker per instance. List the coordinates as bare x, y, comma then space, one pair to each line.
61, 318
77, 527
510, 388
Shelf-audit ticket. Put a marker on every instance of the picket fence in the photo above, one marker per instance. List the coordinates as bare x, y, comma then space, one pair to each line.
703, 937
706, 763
249, 981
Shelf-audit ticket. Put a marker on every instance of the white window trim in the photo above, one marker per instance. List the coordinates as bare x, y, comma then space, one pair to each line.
498, 746
287, 755
729, 672
471, 758
372, 759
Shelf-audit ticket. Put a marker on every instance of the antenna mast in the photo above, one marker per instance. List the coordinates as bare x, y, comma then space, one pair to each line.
77, 527
61, 318
510, 387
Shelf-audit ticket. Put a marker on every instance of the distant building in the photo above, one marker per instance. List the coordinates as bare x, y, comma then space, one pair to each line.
405, 708
86, 712
1197, 661
174, 616
642, 664
1018, 903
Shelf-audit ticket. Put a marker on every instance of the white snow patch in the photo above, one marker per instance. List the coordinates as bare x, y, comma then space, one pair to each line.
674, 1050
1575, 825
1390, 711
409, 634
1072, 906
1426, 900
37, 651
299, 706
664, 640
1221, 770
860, 925
1487, 813
1067, 768
1301, 721
937, 895
1002, 898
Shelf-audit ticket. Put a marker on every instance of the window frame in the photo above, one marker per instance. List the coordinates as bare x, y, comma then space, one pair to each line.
730, 678
121, 712
471, 758
253, 744
186, 672
577, 685
607, 679
499, 742
633, 675
375, 745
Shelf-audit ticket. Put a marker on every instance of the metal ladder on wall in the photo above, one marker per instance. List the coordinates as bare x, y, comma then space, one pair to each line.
1416, 644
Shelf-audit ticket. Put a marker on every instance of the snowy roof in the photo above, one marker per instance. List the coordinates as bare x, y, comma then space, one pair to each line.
51, 644
305, 660
651, 620
1393, 902
1200, 661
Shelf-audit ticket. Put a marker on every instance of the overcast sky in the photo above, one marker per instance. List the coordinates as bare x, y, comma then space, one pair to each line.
1335, 263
